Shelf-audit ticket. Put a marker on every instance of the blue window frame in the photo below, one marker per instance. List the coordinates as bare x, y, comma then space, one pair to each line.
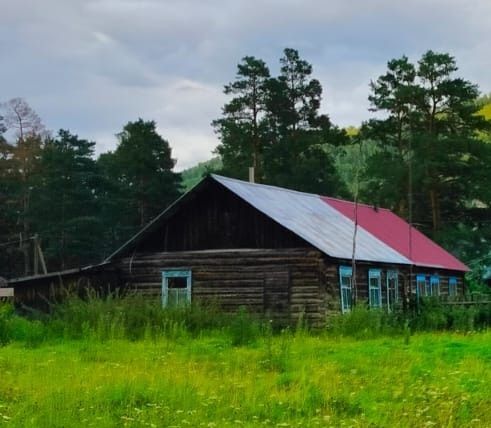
375, 288
434, 285
345, 285
392, 284
452, 286
176, 287
421, 286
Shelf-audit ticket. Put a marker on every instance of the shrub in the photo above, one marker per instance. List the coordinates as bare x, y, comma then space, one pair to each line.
6, 314
16, 328
132, 317
243, 329
365, 323
431, 315
427, 315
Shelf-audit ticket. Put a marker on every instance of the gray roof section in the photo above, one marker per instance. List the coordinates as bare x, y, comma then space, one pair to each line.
309, 217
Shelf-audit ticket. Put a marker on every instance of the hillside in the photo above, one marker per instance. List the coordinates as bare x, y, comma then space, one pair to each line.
486, 111
192, 176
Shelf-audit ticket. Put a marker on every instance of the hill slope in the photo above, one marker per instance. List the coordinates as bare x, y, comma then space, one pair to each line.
192, 176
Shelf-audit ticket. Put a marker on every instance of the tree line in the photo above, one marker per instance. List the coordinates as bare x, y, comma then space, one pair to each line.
425, 153
81, 207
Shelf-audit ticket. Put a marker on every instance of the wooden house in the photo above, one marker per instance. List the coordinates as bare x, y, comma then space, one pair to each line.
282, 253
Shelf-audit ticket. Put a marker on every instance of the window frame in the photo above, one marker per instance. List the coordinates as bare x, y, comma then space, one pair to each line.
452, 285
421, 278
392, 274
176, 273
434, 284
375, 274
346, 272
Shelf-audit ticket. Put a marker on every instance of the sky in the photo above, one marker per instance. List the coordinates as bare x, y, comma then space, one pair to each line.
91, 66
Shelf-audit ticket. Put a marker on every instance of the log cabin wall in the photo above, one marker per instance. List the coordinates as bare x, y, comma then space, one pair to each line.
332, 297
444, 276
44, 291
283, 284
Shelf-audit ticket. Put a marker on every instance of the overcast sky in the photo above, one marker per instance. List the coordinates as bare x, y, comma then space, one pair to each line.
91, 66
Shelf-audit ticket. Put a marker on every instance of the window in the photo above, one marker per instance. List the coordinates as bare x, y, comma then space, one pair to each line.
345, 275
375, 288
452, 286
421, 287
434, 285
176, 288
392, 289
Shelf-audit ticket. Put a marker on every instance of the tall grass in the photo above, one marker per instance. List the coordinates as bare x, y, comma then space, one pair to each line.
129, 317
125, 361
134, 317
429, 315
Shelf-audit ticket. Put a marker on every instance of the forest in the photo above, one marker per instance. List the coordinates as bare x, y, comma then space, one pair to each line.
425, 153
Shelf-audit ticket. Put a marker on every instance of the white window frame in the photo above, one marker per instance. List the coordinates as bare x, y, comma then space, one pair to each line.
176, 273
346, 272
375, 274
392, 274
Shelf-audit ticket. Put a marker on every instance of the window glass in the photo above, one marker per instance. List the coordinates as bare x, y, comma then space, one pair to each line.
374, 288
392, 289
345, 276
176, 288
421, 287
452, 286
434, 285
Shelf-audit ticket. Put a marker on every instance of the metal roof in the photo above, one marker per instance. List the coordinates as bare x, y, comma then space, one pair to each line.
309, 217
397, 233
327, 224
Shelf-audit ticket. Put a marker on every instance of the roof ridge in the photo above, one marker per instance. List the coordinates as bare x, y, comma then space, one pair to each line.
283, 189
374, 207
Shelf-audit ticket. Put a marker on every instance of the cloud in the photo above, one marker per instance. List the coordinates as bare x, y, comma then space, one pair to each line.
91, 66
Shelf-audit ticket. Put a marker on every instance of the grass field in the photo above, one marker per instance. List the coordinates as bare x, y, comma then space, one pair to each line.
285, 380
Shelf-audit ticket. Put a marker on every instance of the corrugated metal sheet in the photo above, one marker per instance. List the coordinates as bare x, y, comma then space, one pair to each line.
312, 219
394, 231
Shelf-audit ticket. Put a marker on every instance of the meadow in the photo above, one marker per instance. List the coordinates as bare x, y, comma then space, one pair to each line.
236, 372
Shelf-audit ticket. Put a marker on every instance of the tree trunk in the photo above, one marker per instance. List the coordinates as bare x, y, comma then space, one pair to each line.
435, 211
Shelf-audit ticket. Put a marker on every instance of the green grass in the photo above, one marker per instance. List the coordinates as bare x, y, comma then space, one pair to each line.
279, 380
123, 361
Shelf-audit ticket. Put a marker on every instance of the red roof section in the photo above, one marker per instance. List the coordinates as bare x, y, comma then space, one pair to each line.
394, 231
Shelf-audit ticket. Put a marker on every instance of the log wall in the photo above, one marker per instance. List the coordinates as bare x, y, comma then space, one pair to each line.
283, 284
405, 292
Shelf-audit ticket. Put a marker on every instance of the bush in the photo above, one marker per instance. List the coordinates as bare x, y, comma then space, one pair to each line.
132, 317
427, 315
365, 323
432, 315
243, 329
135, 317
6, 314
16, 328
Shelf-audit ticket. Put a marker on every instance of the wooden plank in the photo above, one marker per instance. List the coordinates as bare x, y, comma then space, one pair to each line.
6, 292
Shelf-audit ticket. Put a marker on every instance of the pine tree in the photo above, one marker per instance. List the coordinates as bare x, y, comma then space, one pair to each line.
432, 125
241, 129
